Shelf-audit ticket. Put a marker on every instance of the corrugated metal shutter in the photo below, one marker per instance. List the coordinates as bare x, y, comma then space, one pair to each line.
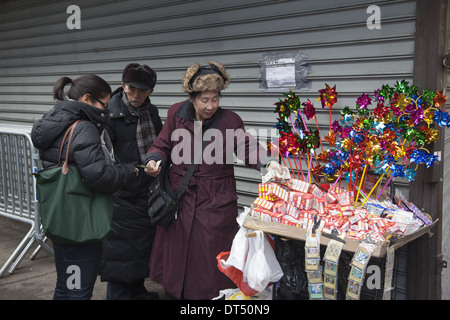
37, 48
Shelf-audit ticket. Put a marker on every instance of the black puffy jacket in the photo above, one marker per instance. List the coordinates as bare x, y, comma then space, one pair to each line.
127, 248
86, 151
121, 126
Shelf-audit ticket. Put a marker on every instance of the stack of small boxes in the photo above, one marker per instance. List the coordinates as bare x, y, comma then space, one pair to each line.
296, 204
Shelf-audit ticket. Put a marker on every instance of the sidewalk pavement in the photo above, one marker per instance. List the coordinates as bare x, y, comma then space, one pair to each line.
36, 279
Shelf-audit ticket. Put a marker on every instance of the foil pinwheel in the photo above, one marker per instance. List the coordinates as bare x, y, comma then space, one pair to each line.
387, 133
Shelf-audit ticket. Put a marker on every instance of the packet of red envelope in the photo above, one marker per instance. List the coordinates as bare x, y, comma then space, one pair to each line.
297, 203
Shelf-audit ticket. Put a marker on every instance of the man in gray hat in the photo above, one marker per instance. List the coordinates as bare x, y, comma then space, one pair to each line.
133, 125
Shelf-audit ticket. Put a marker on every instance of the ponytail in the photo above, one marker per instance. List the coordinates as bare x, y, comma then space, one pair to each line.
58, 88
90, 84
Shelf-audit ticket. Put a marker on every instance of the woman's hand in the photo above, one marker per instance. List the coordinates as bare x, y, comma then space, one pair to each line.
273, 165
152, 168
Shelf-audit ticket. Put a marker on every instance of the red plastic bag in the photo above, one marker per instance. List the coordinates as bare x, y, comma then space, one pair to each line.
234, 274
237, 275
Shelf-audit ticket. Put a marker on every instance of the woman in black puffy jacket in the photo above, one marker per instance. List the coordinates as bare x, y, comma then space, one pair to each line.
88, 99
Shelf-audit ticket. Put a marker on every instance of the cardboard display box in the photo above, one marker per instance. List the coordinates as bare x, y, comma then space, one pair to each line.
351, 245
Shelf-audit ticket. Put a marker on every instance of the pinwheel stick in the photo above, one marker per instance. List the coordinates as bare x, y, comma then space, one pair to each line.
360, 183
374, 187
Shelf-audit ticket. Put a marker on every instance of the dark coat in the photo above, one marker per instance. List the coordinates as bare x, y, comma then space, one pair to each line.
127, 248
184, 254
86, 151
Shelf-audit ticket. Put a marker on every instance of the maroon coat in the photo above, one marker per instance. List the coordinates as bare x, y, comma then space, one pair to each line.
184, 254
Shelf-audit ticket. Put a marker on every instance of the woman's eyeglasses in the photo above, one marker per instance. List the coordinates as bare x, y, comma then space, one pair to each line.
105, 105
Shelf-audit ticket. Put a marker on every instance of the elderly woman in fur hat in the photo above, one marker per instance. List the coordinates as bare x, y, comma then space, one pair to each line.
184, 254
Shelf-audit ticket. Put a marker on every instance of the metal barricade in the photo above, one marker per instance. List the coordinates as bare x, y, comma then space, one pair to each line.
18, 160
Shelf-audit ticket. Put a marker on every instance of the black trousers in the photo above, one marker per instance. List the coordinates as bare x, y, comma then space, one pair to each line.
126, 291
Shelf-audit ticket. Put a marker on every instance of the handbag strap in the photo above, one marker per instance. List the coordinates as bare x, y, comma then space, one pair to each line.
65, 167
184, 184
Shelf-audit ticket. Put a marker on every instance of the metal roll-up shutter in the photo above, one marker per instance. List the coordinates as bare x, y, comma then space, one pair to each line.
37, 48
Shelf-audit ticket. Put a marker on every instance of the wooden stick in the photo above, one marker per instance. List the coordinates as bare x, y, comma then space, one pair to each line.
309, 167
376, 184
251, 234
381, 192
290, 164
279, 152
296, 167
300, 164
360, 184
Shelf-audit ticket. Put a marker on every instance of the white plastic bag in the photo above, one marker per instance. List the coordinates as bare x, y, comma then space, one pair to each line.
239, 247
262, 265
239, 250
258, 271
250, 253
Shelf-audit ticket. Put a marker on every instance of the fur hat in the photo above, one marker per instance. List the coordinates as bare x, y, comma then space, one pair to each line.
139, 76
213, 77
